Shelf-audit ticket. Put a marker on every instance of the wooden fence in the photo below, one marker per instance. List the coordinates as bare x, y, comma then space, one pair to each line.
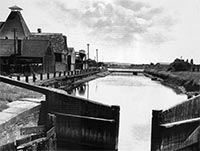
46, 76
177, 128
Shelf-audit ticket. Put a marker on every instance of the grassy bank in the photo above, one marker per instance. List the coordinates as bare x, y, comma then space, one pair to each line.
190, 81
10, 93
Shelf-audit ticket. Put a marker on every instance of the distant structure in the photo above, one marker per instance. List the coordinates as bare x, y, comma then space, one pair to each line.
71, 58
80, 61
23, 51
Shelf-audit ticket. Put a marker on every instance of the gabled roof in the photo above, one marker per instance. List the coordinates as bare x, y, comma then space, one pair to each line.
15, 8
57, 40
1, 24
14, 21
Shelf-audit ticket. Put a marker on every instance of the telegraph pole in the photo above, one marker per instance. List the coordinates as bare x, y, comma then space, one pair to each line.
97, 55
88, 45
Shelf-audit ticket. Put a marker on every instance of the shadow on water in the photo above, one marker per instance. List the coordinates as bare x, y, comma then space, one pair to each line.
81, 90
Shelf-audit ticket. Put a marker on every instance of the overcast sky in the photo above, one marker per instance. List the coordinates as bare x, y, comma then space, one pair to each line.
131, 31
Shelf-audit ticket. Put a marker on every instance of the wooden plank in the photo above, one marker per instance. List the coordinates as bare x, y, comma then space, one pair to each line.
50, 133
32, 130
85, 117
31, 143
168, 125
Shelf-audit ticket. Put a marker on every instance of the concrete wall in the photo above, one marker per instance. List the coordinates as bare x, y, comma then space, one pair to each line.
19, 114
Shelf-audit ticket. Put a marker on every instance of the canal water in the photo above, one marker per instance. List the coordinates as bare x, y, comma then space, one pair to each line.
137, 96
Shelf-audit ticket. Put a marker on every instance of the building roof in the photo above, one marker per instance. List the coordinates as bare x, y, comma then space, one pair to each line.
15, 8
45, 34
57, 40
17, 22
82, 51
1, 24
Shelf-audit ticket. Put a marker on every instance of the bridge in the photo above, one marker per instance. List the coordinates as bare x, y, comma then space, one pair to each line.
132, 71
177, 128
75, 120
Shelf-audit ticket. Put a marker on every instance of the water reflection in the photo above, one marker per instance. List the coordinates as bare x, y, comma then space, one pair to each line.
137, 96
81, 90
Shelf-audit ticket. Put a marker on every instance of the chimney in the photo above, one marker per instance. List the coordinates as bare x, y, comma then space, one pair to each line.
39, 30
65, 42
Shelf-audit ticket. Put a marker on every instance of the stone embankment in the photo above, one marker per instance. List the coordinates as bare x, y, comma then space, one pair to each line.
20, 113
181, 82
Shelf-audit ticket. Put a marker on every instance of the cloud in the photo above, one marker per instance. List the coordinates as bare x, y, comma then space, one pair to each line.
119, 21
132, 5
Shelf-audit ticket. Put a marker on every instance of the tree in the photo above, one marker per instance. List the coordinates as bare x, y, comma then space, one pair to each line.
180, 65
191, 62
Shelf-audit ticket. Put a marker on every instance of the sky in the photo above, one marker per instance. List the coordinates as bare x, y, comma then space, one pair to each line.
129, 31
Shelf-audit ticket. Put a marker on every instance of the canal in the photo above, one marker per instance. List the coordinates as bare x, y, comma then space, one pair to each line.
137, 96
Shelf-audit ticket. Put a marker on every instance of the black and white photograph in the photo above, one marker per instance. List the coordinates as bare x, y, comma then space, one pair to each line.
99, 75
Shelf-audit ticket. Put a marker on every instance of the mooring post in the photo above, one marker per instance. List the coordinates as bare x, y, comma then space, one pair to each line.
41, 76
156, 130
26, 78
18, 77
34, 78
43, 114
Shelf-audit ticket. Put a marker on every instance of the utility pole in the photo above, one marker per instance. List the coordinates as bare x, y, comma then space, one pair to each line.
88, 45
97, 55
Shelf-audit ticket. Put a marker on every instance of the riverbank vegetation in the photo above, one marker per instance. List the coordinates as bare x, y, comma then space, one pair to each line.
190, 81
180, 74
9, 93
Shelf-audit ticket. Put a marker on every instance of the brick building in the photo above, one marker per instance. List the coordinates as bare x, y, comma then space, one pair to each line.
24, 51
